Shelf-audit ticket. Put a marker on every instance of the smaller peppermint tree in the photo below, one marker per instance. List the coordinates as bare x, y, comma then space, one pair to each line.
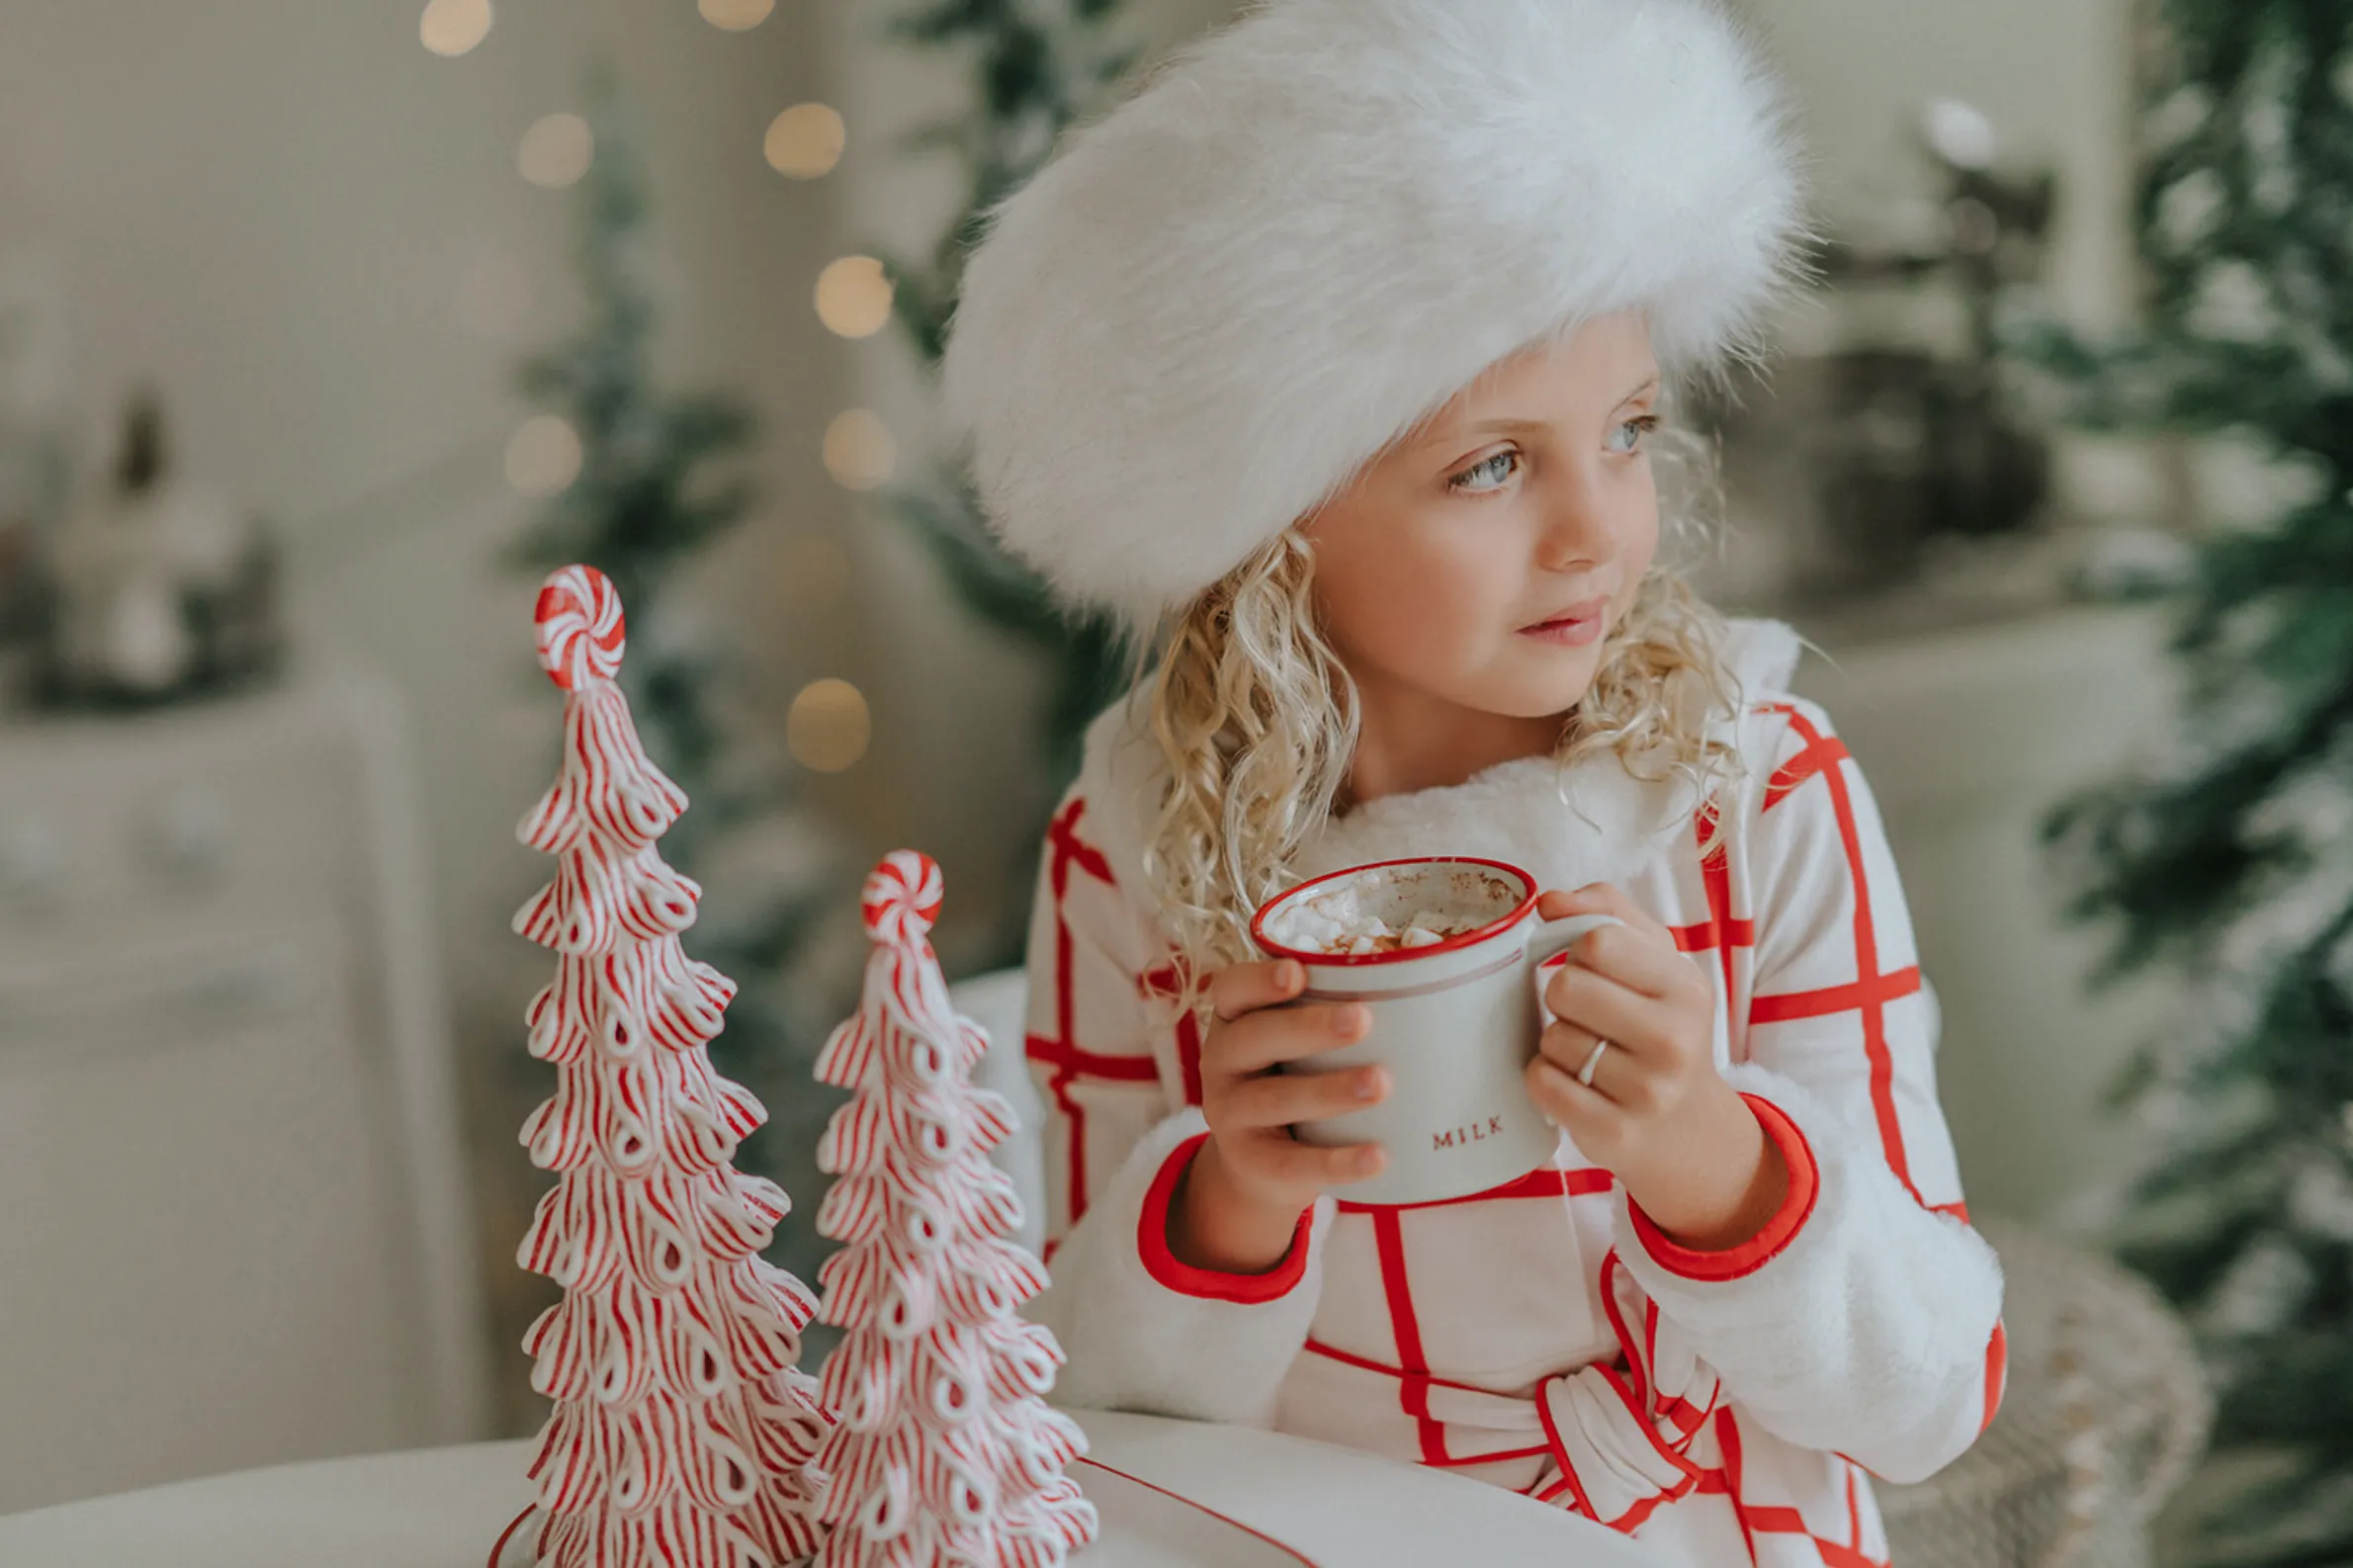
683, 1427
944, 1450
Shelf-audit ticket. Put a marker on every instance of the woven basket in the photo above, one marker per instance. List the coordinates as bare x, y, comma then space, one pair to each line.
2106, 1413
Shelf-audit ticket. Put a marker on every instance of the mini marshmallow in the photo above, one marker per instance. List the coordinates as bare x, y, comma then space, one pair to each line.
1337, 923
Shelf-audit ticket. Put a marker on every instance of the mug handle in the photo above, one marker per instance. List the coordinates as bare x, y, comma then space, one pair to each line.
1552, 938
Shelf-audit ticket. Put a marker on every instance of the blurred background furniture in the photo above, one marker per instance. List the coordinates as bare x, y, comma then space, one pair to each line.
227, 1129
2106, 1413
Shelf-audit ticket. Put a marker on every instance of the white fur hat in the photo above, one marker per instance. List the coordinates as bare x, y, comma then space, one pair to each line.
1311, 228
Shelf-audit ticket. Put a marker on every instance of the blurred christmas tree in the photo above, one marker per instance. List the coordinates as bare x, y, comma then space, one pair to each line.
2234, 859
645, 503
1036, 67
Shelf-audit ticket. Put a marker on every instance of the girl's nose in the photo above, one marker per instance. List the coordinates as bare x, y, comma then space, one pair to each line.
1576, 521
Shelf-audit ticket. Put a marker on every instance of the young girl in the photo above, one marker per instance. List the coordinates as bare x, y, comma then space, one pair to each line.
1333, 362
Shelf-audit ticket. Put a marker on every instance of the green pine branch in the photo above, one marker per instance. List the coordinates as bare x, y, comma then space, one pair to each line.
2231, 864
1036, 69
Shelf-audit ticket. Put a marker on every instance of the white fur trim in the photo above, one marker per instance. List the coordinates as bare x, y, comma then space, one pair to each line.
1761, 657
1591, 823
1867, 1333
1312, 227
1134, 1344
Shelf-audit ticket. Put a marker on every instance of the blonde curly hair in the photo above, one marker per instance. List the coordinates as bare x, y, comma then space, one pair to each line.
1257, 718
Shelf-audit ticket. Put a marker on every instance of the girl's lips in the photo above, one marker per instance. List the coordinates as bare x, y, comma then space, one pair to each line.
1579, 626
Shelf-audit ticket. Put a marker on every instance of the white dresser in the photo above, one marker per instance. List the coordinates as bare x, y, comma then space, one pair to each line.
233, 1226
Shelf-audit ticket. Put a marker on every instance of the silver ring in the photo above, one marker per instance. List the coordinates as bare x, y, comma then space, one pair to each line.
1584, 1073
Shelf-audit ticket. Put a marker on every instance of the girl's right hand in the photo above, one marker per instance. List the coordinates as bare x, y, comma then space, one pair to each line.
1240, 1198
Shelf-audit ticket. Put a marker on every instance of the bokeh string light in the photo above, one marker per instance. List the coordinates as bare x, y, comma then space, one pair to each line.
859, 452
451, 27
736, 16
829, 728
805, 142
853, 297
555, 152
544, 456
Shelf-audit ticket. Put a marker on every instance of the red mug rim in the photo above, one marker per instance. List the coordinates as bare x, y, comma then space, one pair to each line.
1454, 943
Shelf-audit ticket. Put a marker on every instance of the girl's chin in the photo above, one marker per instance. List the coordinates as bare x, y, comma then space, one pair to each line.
1551, 664
1539, 699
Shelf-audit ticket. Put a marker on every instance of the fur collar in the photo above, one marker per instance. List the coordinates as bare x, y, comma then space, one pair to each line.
1593, 822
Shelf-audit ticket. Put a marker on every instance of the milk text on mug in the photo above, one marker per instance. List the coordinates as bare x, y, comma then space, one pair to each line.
1442, 952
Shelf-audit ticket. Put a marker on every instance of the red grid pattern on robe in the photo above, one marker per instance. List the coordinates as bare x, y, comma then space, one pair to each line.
1065, 853
1871, 991
1629, 1378
1168, 981
1725, 934
1825, 757
1766, 1519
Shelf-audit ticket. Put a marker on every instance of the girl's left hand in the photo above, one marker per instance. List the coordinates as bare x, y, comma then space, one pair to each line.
1657, 1115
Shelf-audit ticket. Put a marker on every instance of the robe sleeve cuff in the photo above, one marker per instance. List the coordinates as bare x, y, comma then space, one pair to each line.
1769, 1242
1209, 1284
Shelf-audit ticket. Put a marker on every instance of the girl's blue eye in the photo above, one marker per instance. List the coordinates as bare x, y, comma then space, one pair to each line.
1507, 456
1641, 427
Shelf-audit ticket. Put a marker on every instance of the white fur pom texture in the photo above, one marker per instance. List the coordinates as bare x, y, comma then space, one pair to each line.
1308, 229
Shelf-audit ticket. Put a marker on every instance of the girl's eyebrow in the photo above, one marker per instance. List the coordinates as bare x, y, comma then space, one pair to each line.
1505, 426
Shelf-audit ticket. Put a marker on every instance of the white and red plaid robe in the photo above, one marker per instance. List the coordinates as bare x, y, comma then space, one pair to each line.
1728, 1406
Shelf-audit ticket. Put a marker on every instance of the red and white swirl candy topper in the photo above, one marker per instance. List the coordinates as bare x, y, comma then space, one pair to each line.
683, 1429
579, 627
901, 897
945, 1450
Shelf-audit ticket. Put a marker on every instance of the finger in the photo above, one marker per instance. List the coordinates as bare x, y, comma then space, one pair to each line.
1567, 1046
1633, 958
1239, 989
1277, 1099
1601, 1006
1278, 1157
1591, 1118
1601, 898
1284, 1032
1618, 1076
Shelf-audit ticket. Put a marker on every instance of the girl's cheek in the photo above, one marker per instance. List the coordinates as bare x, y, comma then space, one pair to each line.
1641, 547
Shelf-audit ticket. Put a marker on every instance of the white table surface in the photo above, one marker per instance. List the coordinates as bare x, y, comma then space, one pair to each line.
444, 1508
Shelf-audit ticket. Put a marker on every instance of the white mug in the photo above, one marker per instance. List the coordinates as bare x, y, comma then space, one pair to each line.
1455, 1023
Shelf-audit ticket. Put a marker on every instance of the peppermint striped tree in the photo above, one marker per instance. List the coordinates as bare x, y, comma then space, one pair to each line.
683, 1428
944, 1449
